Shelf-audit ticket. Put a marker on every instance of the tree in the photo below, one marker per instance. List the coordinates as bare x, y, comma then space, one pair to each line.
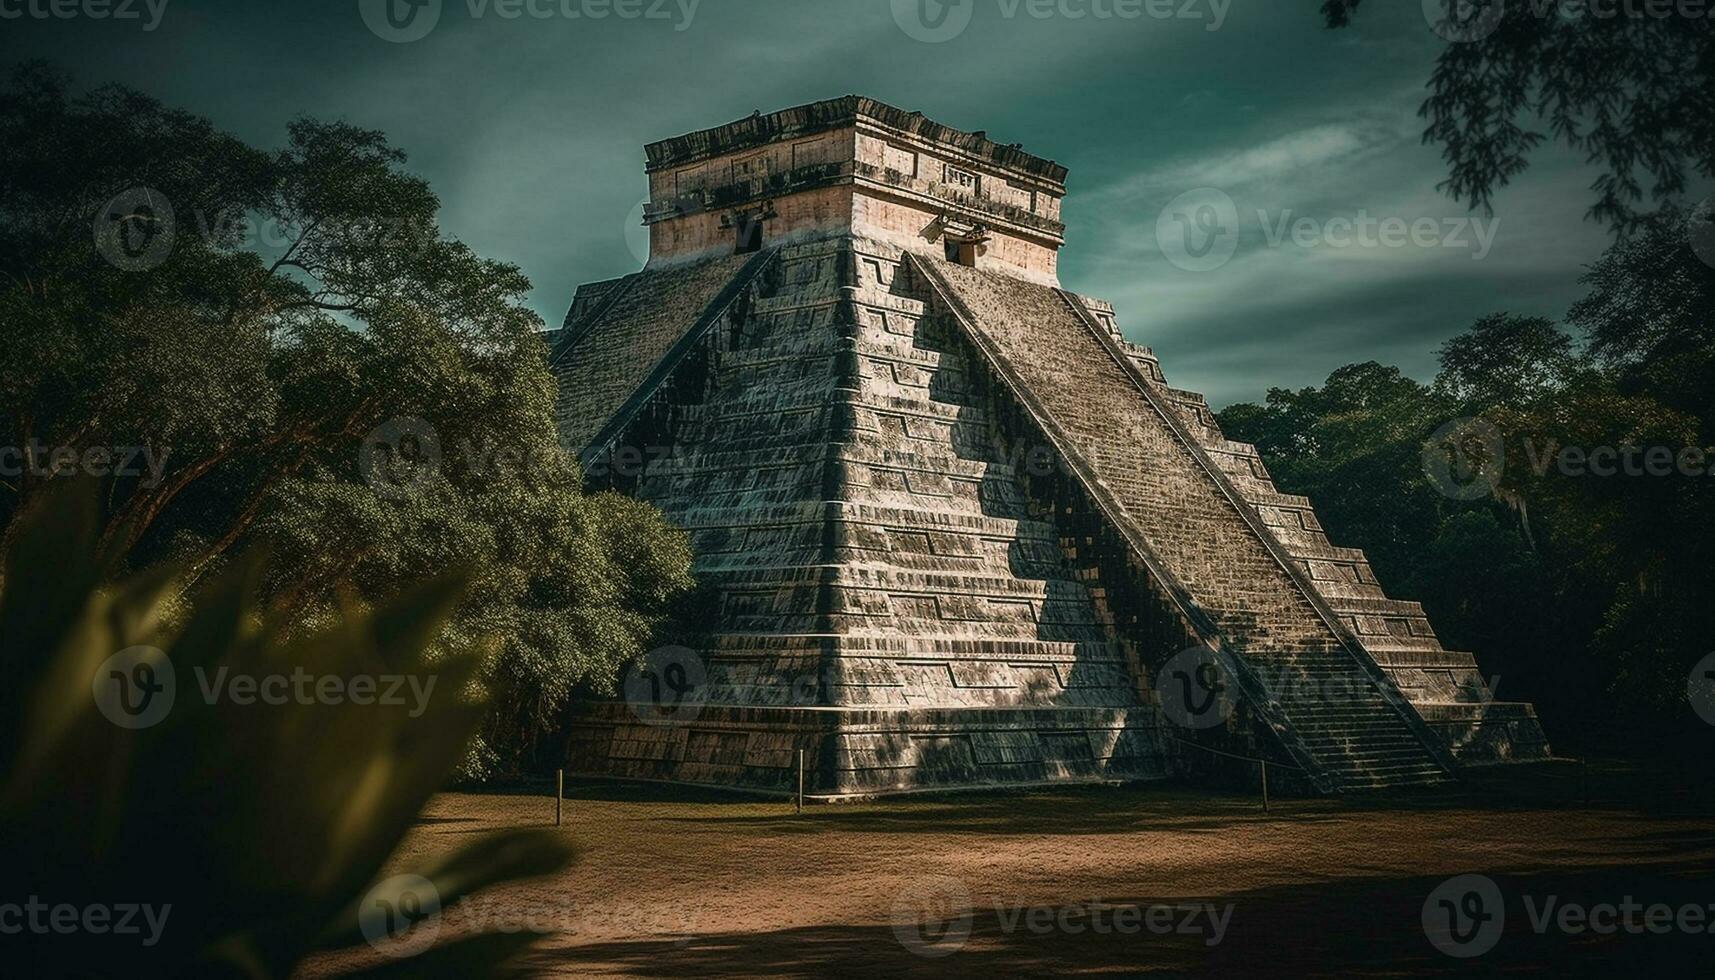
1623, 90
1506, 360
306, 364
1650, 316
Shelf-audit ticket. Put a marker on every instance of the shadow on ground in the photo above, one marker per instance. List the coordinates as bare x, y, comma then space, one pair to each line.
1371, 927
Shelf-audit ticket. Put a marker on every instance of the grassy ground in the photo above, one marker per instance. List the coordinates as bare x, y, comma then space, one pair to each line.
1032, 883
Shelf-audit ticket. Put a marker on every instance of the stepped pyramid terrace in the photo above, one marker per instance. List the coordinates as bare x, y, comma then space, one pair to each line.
957, 529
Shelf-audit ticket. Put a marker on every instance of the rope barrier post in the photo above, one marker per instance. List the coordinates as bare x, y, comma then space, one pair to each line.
559, 793
1265, 785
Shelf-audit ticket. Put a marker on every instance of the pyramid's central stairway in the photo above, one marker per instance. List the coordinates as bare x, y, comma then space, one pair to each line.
954, 528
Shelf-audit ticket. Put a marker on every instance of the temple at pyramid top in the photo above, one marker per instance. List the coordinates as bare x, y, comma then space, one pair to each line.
856, 166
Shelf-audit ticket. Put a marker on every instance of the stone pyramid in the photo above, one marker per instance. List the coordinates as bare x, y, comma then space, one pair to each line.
956, 530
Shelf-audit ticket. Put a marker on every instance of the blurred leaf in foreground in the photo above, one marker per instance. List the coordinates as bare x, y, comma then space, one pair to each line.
219, 796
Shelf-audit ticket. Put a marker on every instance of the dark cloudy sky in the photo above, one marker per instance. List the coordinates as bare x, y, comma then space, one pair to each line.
531, 130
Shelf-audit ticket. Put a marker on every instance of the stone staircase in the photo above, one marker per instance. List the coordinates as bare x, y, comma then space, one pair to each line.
1444, 687
1346, 723
1329, 704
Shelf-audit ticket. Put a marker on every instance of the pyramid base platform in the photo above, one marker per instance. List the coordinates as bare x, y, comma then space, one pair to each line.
865, 752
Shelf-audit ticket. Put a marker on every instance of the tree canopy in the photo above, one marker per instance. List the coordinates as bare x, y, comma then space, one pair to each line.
272, 339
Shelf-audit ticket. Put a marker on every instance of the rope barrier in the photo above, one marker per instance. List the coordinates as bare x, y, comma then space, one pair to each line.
1231, 755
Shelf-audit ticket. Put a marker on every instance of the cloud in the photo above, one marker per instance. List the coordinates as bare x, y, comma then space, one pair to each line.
1283, 314
1279, 159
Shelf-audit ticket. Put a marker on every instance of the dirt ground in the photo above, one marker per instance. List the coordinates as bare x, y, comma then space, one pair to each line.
1139, 880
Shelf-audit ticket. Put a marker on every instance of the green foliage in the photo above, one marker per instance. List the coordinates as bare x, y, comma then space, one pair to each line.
1654, 332
309, 303
1588, 594
256, 830
1506, 360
